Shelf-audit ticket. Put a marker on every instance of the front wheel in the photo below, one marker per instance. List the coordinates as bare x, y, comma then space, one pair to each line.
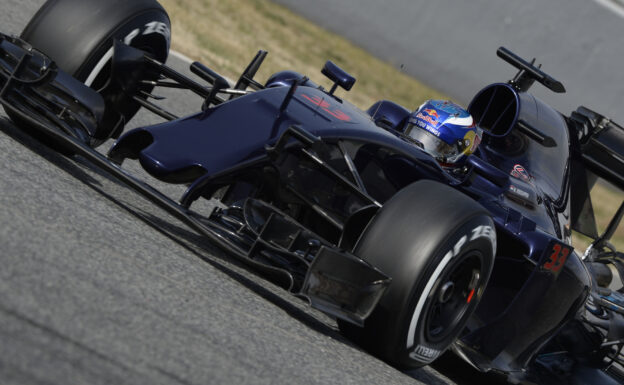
438, 247
79, 35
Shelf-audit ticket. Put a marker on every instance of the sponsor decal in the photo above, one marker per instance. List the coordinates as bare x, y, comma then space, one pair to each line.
427, 127
323, 104
521, 173
424, 353
427, 119
432, 129
431, 112
149, 28
484, 231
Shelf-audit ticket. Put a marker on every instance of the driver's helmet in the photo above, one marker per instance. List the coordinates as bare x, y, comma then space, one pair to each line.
446, 131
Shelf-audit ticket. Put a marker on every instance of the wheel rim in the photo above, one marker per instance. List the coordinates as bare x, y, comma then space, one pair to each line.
452, 295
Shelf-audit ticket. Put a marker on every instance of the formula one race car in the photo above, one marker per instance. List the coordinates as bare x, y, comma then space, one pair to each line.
345, 207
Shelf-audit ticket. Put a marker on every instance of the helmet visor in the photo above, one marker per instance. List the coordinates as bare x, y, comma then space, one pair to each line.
435, 146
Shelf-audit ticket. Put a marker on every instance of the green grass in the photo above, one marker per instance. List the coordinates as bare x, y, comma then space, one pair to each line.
225, 35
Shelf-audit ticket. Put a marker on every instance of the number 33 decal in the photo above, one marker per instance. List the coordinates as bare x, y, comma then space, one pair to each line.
558, 255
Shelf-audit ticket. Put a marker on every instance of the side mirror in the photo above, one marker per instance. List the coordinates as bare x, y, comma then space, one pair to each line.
338, 76
219, 84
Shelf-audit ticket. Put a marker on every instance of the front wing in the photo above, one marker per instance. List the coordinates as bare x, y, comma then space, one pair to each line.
38, 95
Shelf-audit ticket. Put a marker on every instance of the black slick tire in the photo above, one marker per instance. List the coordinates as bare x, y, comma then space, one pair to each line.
78, 36
438, 246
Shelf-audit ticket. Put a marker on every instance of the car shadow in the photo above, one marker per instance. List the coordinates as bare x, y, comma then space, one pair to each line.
463, 373
36, 146
198, 246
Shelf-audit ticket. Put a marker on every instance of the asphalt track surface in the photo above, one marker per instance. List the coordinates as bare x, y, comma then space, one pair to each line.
99, 287
451, 44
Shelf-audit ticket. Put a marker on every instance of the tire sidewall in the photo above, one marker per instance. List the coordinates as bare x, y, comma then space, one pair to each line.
476, 238
148, 31
407, 240
77, 33
79, 36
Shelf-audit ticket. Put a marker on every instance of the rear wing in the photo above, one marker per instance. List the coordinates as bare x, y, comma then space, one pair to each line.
602, 145
598, 152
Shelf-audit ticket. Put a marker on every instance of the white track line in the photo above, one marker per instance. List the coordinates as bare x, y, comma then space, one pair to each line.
615, 6
181, 56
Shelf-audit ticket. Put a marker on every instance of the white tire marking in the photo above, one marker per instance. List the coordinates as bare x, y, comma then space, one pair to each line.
421, 301
98, 67
151, 27
478, 232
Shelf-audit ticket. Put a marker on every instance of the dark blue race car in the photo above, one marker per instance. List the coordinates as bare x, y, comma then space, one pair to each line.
412, 234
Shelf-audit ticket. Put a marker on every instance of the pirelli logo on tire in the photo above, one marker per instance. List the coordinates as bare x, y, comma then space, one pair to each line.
487, 232
423, 353
149, 28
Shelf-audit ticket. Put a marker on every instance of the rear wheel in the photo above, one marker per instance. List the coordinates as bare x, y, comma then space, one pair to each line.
438, 247
79, 34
